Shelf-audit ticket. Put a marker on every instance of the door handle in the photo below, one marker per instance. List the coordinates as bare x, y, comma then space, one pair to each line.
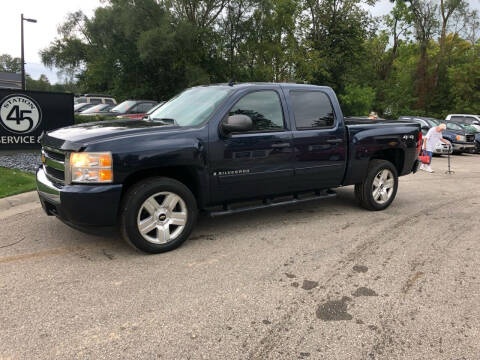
280, 145
334, 141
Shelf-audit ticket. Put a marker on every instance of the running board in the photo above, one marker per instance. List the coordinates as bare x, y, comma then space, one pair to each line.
269, 203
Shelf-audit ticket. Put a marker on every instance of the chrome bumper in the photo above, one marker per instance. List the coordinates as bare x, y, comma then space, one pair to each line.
464, 147
47, 189
82, 205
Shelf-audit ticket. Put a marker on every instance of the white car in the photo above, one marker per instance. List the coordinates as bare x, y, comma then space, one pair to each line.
442, 149
95, 99
467, 119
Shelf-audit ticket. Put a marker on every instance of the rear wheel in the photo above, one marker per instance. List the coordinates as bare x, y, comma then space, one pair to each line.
379, 188
158, 214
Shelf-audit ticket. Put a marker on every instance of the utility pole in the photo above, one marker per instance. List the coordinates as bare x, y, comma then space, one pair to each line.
23, 60
23, 55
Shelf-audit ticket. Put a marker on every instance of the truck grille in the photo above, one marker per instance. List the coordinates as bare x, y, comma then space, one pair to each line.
54, 164
53, 154
470, 138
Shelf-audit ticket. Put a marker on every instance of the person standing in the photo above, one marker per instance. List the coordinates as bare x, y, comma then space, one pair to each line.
433, 136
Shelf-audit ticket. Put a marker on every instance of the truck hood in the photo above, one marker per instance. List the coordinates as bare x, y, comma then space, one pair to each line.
456, 132
77, 136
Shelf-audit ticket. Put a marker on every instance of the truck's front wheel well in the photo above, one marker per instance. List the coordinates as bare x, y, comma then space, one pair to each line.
185, 174
395, 156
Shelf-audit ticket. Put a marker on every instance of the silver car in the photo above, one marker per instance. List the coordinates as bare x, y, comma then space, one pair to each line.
442, 149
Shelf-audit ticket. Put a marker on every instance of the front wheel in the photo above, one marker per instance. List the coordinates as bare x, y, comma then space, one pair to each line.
158, 214
379, 188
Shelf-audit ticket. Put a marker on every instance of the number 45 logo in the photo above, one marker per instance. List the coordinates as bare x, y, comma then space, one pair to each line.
19, 114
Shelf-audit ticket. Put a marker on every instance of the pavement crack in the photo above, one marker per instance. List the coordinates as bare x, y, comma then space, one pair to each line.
15, 243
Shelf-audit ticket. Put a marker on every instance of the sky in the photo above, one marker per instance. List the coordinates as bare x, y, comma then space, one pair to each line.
51, 13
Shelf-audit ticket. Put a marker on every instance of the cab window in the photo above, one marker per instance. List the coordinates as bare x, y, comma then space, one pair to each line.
264, 108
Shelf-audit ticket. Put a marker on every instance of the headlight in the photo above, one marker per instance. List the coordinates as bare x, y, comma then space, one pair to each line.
461, 138
91, 167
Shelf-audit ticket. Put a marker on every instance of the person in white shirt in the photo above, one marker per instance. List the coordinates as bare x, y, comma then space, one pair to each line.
433, 136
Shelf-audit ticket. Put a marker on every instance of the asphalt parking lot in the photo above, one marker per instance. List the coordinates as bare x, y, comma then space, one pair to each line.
326, 280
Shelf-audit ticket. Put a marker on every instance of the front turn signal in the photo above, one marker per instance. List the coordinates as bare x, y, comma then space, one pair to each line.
89, 167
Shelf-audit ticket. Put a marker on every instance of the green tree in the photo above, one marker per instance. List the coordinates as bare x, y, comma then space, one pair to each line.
42, 84
422, 58
357, 100
334, 33
10, 64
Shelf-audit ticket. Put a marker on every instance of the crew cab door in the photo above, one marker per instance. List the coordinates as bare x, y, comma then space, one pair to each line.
319, 139
254, 163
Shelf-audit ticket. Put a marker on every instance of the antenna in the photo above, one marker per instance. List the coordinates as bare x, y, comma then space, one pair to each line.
231, 82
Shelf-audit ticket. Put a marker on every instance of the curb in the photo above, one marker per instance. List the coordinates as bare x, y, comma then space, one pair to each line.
16, 200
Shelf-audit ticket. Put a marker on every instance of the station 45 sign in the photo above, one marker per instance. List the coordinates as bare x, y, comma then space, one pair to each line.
20, 114
25, 115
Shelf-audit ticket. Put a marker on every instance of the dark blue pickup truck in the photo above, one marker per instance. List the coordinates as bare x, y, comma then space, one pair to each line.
219, 149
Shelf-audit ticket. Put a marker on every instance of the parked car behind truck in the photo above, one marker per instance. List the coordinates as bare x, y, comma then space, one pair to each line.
466, 119
468, 129
78, 108
96, 110
220, 149
95, 99
131, 109
426, 124
462, 141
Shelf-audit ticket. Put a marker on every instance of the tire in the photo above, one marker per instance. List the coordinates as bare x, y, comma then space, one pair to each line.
364, 192
163, 208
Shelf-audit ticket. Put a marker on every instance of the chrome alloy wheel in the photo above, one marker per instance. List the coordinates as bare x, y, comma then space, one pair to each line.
162, 217
383, 185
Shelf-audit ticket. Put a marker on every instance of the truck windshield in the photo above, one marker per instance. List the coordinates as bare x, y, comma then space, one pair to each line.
191, 107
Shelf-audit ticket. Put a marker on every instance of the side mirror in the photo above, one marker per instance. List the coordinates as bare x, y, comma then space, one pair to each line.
237, 123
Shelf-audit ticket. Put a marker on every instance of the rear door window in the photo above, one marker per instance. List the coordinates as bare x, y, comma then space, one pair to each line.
312, 110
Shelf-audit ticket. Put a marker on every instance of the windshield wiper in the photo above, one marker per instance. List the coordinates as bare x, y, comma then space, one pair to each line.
166, 121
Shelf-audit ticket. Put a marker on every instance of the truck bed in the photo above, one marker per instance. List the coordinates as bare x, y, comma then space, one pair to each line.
393, 140
367, 121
